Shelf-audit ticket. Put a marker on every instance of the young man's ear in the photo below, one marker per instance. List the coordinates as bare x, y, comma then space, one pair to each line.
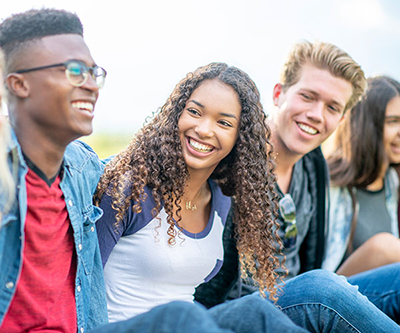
17, 85
278, 90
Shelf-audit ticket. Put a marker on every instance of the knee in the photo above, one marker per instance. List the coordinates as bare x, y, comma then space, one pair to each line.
318, 277
382, 242
320, 286
254, 301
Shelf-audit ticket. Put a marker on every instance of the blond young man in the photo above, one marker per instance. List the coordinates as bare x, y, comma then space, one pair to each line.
318, 85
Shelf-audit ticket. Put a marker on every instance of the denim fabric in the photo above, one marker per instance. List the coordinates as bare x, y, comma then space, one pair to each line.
321, 301
244, 315
382, 287
174, 317
254, 314
81, 172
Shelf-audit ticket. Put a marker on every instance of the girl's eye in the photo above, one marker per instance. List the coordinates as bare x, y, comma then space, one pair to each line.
392, 121
194, 112
225, 123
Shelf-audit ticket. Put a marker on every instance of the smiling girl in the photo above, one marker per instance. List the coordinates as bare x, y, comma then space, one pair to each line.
364, 194
166, 197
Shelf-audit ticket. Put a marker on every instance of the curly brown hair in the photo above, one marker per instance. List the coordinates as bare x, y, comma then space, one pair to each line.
154, 158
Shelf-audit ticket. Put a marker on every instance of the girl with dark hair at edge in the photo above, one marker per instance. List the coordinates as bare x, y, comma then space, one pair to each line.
166, 197
364, 185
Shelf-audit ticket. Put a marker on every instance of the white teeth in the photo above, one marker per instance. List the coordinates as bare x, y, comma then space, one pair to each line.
307, 129
83, 106
200, 147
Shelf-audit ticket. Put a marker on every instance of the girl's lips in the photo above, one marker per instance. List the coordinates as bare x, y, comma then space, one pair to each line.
395, 148
197, 148
200, 147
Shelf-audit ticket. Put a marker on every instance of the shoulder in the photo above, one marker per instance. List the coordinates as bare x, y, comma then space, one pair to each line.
131, 222
221, 202
315, 160
79, 155
392, 177
338, 195
316, 157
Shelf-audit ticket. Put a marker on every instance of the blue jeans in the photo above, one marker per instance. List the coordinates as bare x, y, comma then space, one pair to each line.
253, 314
382, 287
247, 314
321, 301
174, 317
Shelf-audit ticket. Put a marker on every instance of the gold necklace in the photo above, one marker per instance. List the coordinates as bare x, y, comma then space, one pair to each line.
190, 206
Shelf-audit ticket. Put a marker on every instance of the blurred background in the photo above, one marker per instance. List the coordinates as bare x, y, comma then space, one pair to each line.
148, 46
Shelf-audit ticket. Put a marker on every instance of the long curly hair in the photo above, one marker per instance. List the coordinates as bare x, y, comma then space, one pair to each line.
154, 158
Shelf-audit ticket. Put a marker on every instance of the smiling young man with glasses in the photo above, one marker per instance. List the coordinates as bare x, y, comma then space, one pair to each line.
51, 276
319, 84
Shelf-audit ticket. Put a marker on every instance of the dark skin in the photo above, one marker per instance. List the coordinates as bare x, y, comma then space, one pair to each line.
210, 119
43, 105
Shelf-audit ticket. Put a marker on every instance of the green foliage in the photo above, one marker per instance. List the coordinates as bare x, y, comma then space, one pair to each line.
106, 144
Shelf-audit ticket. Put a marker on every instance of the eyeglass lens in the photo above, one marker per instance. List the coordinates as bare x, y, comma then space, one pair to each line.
78, 74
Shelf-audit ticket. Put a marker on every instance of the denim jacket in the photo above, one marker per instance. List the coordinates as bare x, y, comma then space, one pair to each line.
341, 214
81, 172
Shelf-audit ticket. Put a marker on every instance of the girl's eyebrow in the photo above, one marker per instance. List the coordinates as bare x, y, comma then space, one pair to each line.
229, 115
197, 103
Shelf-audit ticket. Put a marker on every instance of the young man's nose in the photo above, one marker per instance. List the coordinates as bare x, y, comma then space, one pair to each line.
316, 112
91, 84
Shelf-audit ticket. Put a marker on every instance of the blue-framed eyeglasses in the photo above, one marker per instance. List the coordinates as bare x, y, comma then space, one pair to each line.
287, 209
76, 71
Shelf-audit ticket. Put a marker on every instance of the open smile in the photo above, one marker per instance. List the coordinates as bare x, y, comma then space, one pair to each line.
83, 106
200, 147
307, 129
395, 148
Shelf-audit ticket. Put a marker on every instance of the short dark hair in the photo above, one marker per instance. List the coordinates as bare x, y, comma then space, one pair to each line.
32, 25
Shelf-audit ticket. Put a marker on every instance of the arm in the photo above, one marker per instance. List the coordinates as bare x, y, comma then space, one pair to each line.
107, 233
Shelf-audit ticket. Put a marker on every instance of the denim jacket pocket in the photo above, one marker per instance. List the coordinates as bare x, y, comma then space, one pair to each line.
90, 242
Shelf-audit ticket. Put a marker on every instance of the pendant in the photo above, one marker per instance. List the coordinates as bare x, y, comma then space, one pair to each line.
190, 206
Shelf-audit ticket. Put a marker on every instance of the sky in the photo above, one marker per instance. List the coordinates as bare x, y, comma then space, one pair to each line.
148, 46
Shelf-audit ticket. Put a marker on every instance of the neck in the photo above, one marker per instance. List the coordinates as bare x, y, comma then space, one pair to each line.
377, 184
44, 152
284, 164
197, 191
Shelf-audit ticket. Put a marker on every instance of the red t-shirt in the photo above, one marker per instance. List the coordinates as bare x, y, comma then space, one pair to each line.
45, 296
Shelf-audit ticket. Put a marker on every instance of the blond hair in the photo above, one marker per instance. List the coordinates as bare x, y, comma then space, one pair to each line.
6, 179
328, 57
